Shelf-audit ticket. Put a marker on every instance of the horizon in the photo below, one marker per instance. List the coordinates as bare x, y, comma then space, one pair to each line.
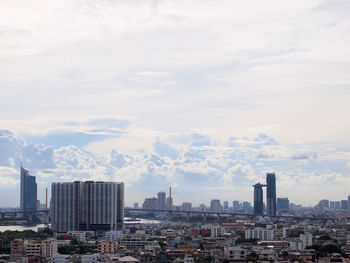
204, 97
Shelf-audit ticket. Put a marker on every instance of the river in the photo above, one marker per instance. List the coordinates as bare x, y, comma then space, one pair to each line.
35, 228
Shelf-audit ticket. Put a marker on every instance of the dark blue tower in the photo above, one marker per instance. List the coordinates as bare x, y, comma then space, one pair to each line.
271, 194
28, 197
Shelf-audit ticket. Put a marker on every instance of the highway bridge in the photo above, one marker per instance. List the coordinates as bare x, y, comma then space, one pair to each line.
204, 213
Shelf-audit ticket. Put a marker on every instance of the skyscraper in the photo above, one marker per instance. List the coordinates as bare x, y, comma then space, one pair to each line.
28, 198
271, 194
161, 200
225, 204
215, 205
236, 205
87, 206
258, 199
282, 204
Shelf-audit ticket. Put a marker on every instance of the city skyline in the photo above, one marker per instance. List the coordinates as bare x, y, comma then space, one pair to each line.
155, 94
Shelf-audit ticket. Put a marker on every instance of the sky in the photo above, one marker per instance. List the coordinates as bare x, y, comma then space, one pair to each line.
204, 96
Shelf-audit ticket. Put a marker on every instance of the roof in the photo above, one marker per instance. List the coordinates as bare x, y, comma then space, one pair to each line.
128, 259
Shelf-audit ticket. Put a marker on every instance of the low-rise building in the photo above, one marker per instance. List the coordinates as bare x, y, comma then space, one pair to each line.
107, 247
259, 233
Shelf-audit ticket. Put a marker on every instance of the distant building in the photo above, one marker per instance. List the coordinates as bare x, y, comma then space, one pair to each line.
225, 205
271, 194
236, 205
260, 233
324, 203
258, 199
28, 193
344, 204
215, 205
282, 204
87, 206
217, 231
136, 205
186, 206
246, 206
150, 203
161, 201
107, 247
306, 239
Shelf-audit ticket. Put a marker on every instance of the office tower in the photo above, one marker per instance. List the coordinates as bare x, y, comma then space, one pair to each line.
225, 205
236, 205
348, 202
344, 204
91, 206
161, 201
258, 199
282, 204
332, 205
324, 203
28, 195
215, 205
150, 203
186, 206
246, 206
337, 205
136, 205
271, 194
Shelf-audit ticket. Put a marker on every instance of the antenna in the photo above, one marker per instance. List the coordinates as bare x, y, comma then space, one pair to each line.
170, 200
46, 199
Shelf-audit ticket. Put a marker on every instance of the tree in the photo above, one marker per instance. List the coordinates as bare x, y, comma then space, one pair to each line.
252, 257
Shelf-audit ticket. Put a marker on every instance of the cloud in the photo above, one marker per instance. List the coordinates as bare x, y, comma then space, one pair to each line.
150, 91
304, 156
194, 162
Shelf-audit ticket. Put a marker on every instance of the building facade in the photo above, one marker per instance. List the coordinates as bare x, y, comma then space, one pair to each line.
260, 233
28, 193
258, 199
271, 194
87, 206
161, 200
215, 205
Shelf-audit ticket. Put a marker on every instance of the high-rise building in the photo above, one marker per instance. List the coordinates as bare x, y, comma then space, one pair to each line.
246, 205
215, 205
186, 206
236, 205
282, 204
80, 206
28, 198
344, 204
136, 205
323, 203
150, 203
225, 205
258, 199
348, 202
161, 201
271, 194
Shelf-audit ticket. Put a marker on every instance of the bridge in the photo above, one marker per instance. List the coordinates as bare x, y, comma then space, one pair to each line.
227, 213
221, 213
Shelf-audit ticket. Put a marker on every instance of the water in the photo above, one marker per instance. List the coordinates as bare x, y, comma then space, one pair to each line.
21, 228
35, 228
140, 221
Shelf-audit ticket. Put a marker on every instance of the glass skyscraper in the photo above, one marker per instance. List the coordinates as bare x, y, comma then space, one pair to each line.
28, 198
271, 194
258, 199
